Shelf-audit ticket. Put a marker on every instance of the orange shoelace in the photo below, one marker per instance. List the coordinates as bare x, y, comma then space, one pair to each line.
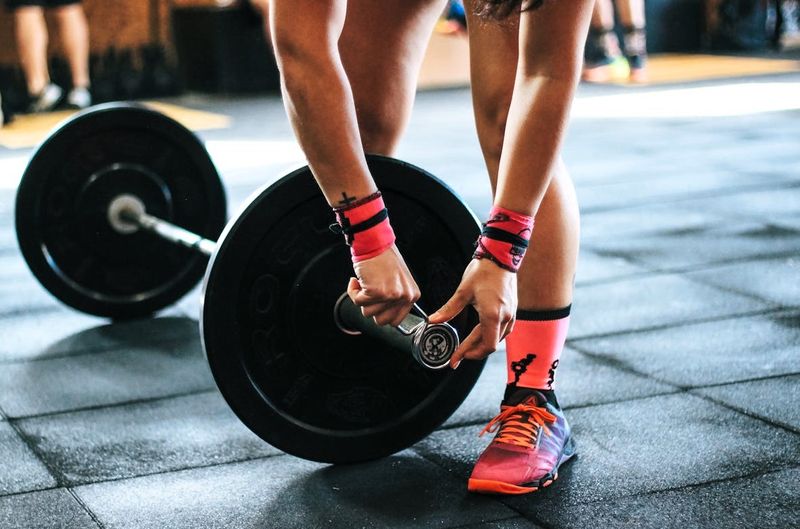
519, 425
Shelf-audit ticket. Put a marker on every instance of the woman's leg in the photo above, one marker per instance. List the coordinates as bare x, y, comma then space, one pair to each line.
382, 47
517, 461
546, 276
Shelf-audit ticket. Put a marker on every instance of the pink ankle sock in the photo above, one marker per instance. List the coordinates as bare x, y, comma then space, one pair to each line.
534, 347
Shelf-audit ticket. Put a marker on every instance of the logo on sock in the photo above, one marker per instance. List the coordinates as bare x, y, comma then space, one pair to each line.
520, 366
552, 374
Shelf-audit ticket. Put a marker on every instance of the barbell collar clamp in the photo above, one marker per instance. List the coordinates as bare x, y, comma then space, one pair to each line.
127, 214
431, 345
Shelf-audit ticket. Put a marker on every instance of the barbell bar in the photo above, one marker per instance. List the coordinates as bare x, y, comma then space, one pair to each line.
272, 316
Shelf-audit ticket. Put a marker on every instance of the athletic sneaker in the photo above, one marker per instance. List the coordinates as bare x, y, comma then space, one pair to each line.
79, 97
47, 100
609, 69
638, 69
532, 442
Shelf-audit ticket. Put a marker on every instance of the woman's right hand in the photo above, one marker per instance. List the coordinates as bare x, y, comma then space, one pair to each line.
384, 288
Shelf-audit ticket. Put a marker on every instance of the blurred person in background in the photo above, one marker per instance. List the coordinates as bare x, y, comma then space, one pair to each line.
605, 57
32, 39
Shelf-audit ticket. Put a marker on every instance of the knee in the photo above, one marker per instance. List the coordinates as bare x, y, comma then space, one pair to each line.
491, 102
27, 16
296, 54
68, 13
298, 59
380, 129
491, 116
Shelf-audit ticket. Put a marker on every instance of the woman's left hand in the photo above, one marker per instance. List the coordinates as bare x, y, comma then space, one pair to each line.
493, 292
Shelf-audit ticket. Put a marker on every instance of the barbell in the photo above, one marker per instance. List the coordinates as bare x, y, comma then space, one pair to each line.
116, 216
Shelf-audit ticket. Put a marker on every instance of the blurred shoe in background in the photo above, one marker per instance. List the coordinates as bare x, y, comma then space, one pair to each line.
79, 98
47, 99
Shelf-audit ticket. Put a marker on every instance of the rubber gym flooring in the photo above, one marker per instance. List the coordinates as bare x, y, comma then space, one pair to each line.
681, 377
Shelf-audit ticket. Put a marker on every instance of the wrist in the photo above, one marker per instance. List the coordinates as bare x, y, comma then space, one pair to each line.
365, 226
504, 238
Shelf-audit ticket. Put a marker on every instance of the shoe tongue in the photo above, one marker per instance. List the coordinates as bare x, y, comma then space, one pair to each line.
519, 395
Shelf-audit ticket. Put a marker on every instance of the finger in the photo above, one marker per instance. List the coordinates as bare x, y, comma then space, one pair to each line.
353, 288
466, 345
374, 309
401, 314
508, 328
361, 297
392, 314
449, 310
487, 342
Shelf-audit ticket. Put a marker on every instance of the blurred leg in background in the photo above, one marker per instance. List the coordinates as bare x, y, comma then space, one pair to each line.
73, 32
604, 59
634, 40
31, 35
32, 40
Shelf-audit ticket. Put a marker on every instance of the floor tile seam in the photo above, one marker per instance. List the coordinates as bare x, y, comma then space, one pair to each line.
113, 405
709, 193
742, 381
707, 267
467, 525
616, 279
188, 468
678, 387
30, 491
52, 470
651, 270
85, 507
677, 324
732, 290
746, 413
621, 366
756, 174
92, 352
508, 501
679, 199
452, 477
688, 486
35, 311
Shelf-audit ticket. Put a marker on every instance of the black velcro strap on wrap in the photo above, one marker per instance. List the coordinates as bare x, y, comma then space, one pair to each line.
367, 224
504, 236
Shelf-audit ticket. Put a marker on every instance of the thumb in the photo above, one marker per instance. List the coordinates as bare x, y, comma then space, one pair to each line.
449, 310
353, 288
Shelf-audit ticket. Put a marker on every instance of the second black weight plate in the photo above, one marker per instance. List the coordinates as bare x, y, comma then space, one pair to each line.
268, 331
62, 210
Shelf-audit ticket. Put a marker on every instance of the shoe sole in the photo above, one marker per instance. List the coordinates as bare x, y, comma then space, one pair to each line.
487, 486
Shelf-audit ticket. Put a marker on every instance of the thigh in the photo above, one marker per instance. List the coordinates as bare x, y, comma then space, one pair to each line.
493, 51
382, 46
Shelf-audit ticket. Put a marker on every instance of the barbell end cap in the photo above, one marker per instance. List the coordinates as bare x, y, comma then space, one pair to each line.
434, 345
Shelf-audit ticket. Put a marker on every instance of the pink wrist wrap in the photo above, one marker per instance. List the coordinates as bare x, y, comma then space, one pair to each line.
366, 228
504, 238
